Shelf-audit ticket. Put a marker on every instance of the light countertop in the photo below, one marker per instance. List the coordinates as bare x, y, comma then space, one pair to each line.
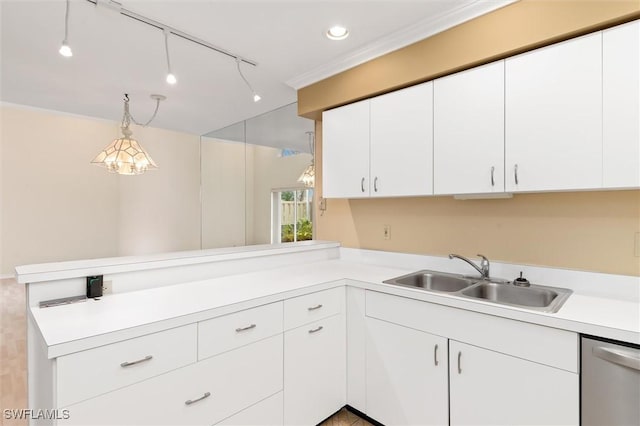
69, 328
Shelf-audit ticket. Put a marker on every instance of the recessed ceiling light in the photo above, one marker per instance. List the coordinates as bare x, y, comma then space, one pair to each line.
337, 33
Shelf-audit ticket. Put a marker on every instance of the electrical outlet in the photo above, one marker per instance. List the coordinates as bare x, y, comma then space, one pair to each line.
387, 232
636, 250
107, 287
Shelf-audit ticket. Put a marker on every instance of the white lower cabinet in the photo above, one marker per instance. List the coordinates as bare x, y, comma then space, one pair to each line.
406, 375
203, 393
417, 377
265, 412
490, 388
314, 371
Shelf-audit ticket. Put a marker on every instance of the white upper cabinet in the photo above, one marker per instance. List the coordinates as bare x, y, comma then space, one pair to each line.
345, 151
554, 117
402, 142
621, 108
469, 131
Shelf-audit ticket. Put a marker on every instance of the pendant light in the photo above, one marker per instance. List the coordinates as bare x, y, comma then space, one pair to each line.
125, 156
65, 50
308, 176
256, 97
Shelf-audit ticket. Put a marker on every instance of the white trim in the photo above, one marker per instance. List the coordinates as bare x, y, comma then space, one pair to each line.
117, 265
7, 276
406, 36
4, 104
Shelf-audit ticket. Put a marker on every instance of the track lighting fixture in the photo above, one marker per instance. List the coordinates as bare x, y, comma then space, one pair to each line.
65, 50
171, 79
125, 156
256, 97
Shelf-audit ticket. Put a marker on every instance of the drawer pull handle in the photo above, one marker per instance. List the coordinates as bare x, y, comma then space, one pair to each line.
130, 363
435, 355
362, 184
315, 330
241, 329
459, 363
515, 173
493, 182
313, 308
193, 401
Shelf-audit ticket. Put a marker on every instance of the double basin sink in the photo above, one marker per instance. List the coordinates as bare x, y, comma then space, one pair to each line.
501, 292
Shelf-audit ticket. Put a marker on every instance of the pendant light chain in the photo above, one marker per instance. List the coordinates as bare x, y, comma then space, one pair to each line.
128, 115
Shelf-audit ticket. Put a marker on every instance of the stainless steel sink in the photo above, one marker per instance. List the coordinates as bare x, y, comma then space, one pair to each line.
539, 297
498, 291
433, 281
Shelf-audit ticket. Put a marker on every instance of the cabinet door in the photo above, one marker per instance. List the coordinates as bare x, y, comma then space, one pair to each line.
490, 388
314, 371
406, 375
469, 131
402, 142
554, 117
345, 151
621, 109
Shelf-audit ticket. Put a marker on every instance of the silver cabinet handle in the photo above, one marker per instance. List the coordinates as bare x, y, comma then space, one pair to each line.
515, 173
459, 364
241, 329
130, 363
313, 308
315, 330
193, 401
493, 182
618, 356
362, 184
375, 184
435, 355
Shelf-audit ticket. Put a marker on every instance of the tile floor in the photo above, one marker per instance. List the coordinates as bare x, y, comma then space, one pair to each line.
13, 358
345, 418
13, 349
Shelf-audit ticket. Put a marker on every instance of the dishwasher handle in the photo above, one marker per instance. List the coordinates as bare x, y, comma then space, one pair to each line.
618, 356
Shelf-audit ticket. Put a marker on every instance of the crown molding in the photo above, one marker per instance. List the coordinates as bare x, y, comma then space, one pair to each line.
406, 36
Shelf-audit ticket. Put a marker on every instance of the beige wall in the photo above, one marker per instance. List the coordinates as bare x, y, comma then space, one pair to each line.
56, 206
160, 210
223, 193
591, 231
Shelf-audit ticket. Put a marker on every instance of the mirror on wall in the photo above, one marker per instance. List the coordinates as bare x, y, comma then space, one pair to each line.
249, 181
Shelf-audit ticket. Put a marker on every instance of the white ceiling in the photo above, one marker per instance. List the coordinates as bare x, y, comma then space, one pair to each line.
114, 54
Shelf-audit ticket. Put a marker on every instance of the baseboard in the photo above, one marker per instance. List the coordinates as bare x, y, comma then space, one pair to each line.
363, 415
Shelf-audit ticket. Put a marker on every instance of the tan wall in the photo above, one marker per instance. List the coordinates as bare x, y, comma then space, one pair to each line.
518, 27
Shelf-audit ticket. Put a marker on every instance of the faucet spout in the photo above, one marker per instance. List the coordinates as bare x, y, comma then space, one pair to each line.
483, 269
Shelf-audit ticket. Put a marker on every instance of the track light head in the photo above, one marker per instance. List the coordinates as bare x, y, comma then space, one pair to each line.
256, 97
65, 50
171, 79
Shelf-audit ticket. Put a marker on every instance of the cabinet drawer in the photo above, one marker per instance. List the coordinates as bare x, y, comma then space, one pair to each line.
267, 412
89, 373
224, 333
218, 387
545, 345
312, 307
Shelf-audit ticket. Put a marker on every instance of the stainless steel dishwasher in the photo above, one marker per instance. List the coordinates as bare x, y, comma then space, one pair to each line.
610, 383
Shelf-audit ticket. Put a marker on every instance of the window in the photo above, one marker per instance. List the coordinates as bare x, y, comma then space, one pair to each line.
292, 215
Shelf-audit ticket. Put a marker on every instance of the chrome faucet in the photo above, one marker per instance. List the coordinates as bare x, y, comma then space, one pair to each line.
484, 264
